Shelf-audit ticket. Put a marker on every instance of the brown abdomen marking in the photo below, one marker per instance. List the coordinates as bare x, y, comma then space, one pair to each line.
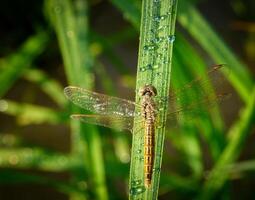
148, 153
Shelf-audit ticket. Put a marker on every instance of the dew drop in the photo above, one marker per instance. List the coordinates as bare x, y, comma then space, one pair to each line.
157, 18
146, 47
160, 55
156, 170
171, 38
142, 69
165, 62
158, 74
147, 67
152, 31
139, 151
137, 190
162, 27
157, 40
149, 47
136, 183
164, 49
163, 17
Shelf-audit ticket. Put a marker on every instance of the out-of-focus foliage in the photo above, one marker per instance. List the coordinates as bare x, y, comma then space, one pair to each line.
208, 159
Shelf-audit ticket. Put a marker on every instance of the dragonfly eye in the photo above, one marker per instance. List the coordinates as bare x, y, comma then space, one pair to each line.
149, 90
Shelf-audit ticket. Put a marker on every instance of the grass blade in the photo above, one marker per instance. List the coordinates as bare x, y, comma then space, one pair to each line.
32, 114
156, 40
200, 30
71, 25
36, 158
49, 85
16, 64
238, 133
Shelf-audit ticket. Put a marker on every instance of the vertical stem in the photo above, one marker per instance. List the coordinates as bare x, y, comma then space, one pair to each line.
154, 67
71, 25
239, 132
201, 31
17, 63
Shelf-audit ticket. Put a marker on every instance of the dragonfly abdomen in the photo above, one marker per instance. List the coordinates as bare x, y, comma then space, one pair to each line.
148, 153
149, 115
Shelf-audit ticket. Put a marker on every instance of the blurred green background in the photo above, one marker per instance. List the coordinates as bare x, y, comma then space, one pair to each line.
47, 45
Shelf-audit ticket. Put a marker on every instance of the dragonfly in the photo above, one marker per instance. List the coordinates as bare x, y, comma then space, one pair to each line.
119, 113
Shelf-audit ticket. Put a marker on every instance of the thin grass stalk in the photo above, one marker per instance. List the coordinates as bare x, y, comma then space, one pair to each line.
213, 130
15, 65
71, 28
36, 158
187, 141
27, 114
241, 168
94, 143
154, 68
238, 132
120, 140
199, 28
50, 86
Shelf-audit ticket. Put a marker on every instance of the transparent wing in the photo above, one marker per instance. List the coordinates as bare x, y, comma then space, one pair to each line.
118, 123
199, 106
198, 96
194, 110
100, 103
213, 78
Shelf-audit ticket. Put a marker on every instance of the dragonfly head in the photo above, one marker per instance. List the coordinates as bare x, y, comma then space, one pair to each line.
148, 90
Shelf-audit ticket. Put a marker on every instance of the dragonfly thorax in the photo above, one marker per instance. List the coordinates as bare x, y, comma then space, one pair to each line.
148, 105
148, 109
148, 90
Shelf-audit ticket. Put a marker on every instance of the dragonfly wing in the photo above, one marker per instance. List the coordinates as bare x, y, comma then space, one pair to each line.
199, 106
198, 96
212, 79
118, 123
100, 103
194, 110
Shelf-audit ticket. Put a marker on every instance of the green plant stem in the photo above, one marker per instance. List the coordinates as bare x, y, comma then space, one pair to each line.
49, 85
33, 114
185, 55
154, 67
71, 25
241, 167
106, 46
238, 133
120, 141
36, 158
16, 64
131, 10
200, 30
